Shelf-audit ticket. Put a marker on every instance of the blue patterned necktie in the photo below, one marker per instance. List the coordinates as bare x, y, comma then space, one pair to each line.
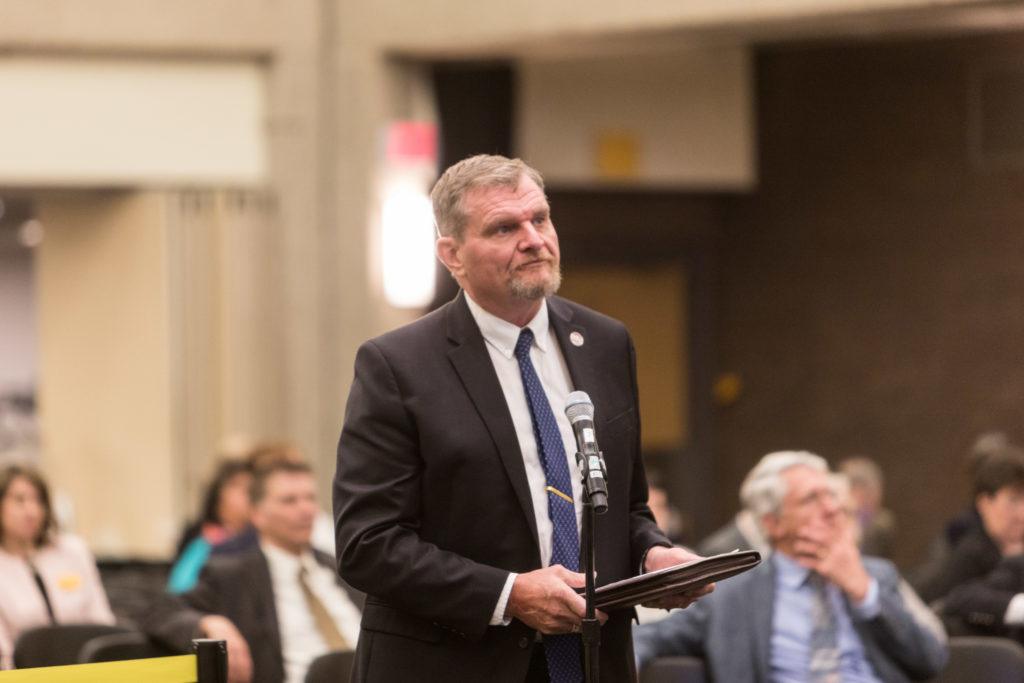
824, 650
563, 651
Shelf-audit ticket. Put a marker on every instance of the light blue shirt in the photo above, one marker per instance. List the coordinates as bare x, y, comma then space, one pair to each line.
791, 626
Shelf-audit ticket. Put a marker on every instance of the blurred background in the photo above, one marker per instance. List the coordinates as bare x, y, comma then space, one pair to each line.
808, 213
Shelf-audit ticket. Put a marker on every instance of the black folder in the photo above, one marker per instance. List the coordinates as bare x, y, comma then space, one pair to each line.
673, 580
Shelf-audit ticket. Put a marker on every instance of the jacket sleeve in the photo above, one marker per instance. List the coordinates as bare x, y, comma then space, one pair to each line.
174, 619
98, 606
681, 633
982, 603
908, 643
380, 503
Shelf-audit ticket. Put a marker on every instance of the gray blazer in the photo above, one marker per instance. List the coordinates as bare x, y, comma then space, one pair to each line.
731, 630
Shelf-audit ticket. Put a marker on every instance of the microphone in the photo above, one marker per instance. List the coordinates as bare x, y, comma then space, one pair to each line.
580, 411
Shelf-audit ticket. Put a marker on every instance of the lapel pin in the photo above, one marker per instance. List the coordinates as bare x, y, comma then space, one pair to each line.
576, 338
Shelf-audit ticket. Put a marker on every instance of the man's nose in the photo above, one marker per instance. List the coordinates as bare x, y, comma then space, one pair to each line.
830, 505
531, 238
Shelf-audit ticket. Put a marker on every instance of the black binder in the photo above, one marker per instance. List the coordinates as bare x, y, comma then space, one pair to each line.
673, 580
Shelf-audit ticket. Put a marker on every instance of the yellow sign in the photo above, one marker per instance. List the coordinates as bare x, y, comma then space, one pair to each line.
617, 154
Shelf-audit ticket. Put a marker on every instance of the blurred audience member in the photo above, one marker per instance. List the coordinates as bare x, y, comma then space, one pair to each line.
670, 520
814, 610
989, 606
877, 523
922, 613
999, 503
261, 456
968, 520
742, 532
46, 577
279, 604
225, 514
666, 515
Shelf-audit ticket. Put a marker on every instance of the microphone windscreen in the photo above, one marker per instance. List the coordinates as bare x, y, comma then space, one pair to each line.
578, 405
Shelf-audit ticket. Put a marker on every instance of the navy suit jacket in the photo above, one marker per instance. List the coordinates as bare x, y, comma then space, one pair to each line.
731, 630
432, 506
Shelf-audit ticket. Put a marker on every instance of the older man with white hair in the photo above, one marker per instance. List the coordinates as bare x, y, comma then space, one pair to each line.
815, 610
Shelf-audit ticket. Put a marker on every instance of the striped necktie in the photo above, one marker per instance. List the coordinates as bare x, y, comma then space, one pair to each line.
322, 619
824, 647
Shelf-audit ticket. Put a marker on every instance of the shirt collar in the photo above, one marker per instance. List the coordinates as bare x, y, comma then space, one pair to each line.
284, 561
503, 335
789, 571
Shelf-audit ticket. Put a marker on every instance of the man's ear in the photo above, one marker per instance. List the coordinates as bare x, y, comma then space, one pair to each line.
448, 251
983, 502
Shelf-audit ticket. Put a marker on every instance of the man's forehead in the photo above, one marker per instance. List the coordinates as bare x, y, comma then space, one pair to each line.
497, 208
801, 479
279, 481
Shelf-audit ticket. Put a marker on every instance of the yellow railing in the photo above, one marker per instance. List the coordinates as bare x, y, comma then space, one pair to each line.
178, 669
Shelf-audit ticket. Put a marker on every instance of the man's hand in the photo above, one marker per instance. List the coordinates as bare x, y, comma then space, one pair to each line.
239, 659
660, 557
832, 552
545, 599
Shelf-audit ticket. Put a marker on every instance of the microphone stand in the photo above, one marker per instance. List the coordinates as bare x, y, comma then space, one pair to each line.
591, 630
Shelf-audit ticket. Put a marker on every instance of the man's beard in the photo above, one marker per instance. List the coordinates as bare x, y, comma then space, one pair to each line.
536, 289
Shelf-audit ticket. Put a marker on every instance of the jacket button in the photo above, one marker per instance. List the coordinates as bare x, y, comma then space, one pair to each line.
524, 642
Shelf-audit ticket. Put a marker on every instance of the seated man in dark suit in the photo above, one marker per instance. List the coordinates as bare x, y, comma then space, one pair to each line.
278, 605
815, 609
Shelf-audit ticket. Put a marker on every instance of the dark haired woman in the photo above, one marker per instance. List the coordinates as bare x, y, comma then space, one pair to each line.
225, 513
46, 577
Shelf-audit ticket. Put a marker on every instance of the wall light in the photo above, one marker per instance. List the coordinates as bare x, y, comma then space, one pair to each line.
407, 247
408, 262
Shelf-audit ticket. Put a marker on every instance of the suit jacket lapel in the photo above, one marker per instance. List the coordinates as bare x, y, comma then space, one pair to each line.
762, 603
576, 354
265, 608
469, 356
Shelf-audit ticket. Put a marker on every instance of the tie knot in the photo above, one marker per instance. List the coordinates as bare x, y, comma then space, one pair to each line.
523, 343
816, 581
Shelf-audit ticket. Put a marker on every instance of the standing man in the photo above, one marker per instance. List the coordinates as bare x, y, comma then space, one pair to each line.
457, 500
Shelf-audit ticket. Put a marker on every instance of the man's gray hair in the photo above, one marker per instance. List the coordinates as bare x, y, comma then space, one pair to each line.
764, 488
480, 171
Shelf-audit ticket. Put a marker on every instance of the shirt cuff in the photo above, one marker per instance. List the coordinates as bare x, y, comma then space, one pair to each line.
1015, 611
643, 560
869, 607
498, 618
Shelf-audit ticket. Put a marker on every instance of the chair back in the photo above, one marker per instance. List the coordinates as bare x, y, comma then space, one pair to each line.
58, 644
116, 647
983, 658
674, 670
333, 667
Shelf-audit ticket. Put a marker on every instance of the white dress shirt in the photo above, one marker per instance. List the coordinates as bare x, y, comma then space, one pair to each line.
301, 642
501, 337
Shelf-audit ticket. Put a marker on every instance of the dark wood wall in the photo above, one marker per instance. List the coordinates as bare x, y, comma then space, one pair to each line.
871, 292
